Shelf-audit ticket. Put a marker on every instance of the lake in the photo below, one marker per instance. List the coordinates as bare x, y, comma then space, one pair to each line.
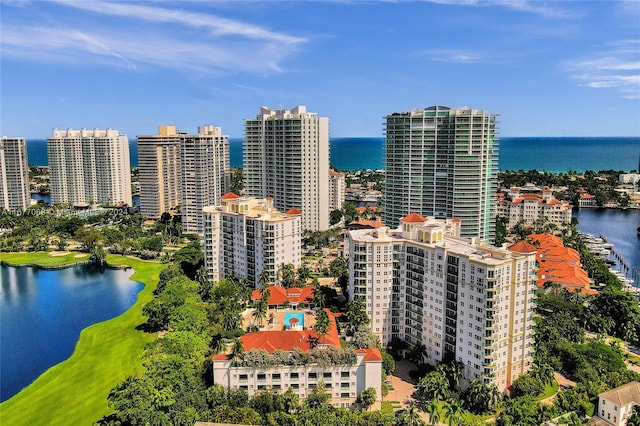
42, 313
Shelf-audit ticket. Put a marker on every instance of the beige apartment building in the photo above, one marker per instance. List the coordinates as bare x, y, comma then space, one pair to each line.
89, 166
459, 297
14, 174
286, 156
337, 187
179, 169
530, 204
159, 171
245, 236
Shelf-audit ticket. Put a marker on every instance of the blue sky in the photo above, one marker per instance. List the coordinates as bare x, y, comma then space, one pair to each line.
560, 68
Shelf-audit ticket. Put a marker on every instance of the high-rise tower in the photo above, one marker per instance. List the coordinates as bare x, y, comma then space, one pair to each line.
176, 168
442, 162
159, 171
89, 166
14, 174
286, 156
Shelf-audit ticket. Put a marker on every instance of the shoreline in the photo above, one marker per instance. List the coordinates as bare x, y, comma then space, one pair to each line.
105, 353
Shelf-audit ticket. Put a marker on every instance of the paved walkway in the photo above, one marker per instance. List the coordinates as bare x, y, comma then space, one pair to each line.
403, 387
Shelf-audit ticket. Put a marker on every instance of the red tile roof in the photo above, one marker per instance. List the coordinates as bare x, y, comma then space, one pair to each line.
289, 340
230, 196
279, 295
413, 217
560, 264
371, 354
522, 247
293, 210
367, 223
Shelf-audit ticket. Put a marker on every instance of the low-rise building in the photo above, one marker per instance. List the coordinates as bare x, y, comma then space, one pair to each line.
615, 406
246, 236
529, 204
300, 360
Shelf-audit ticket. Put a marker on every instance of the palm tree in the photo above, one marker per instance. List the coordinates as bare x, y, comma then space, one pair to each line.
544, 372
287, 274
452, 412
237, 349
318, 294
322, 323
260, 309
433, 411
304, 273
433, 386
264, 278
410, 416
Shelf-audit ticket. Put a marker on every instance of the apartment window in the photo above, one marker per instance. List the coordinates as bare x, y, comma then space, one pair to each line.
275, 376
313, 376
243, 377
326, 375
344, 375
295, 376
261, 377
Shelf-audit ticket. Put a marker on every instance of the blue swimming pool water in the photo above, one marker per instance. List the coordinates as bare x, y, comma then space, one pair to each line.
298, 315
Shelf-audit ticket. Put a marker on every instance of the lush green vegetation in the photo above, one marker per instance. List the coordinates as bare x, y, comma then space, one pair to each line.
74, 392
600, 184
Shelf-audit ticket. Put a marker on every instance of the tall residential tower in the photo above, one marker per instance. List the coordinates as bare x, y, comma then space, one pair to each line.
89, 166
14, 174
177, 168
286, 156
442, 162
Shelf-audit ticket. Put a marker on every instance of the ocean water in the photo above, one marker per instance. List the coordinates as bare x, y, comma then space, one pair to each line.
554, 154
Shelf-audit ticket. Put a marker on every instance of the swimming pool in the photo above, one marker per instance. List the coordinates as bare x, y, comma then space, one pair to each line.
297, 317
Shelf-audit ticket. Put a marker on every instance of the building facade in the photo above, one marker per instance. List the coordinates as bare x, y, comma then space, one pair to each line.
14, 174
286, 156
442, 162
204, 174
159, 171
246, 236
459, 297
89, 166
343, 372
179, 169
336, 190
531, 204
615, 406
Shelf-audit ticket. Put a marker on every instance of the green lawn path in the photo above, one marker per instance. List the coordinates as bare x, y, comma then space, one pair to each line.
74, 392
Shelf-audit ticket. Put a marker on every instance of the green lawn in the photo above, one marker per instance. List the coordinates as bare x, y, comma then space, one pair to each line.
549, 391
74, 392
43, 258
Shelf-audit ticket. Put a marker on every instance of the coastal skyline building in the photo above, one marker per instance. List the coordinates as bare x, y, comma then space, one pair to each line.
14, 174
459, 297
442, 162
204, 174
159, 171
180, 169
286, 156
245, 236
337, 187
89, 166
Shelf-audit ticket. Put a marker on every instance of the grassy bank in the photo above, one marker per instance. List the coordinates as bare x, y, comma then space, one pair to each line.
44, 258
74, 392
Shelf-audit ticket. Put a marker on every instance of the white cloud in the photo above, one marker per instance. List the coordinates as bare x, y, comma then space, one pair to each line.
618, 68
188, 41
453, 56
535, 7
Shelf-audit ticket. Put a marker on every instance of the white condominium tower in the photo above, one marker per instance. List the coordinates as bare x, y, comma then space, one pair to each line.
245, 236
176, 168
459, 297
286, 156
204, 174
159, 171
14, 174
337, 186
442, 162
89, 166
